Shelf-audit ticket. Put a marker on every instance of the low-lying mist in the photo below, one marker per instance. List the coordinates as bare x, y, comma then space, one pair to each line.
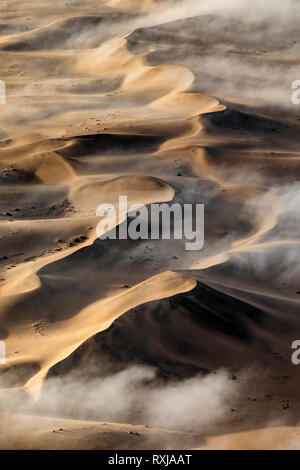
133, 395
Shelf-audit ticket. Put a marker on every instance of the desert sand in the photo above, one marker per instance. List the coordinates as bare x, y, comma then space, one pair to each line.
163, 101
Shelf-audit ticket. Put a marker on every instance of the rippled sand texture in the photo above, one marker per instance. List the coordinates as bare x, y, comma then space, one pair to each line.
161, 101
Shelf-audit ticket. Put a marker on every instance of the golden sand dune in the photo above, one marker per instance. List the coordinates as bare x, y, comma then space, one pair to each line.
153, 102
281, 438
52, 433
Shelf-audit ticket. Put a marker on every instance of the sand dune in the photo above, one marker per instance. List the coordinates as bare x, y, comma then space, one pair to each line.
112, 98
271, 439
52, 433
